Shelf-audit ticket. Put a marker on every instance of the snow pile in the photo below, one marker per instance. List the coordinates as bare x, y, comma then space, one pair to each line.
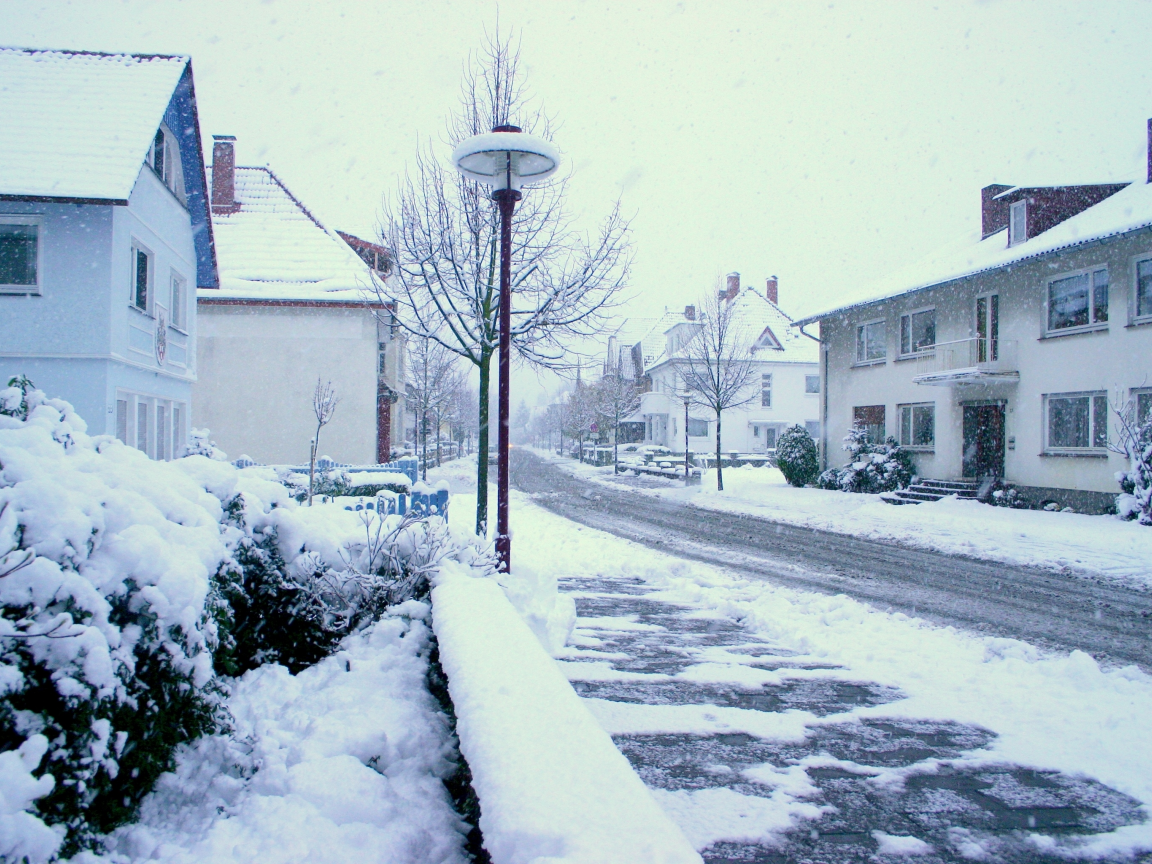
552, 786
340, 763
22, 835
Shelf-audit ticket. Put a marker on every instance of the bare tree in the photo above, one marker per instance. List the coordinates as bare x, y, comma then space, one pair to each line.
617, 398
717, 364
434, 379
324, 401
443, 232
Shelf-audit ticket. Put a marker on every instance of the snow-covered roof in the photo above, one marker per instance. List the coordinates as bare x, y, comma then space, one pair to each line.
755, 314
78, 124
273, 248
1128, 210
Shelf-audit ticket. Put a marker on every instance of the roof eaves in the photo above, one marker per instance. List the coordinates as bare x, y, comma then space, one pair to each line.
812, 319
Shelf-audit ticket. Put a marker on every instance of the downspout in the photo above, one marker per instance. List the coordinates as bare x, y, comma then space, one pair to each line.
823, 397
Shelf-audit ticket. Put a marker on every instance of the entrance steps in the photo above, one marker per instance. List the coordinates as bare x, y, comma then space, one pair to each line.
932, 490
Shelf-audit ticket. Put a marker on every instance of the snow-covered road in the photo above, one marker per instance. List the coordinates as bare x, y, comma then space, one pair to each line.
1110, 621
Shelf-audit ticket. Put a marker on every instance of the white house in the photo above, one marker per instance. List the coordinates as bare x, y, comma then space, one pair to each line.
1007, 355
786, 380
294, 305
104, 236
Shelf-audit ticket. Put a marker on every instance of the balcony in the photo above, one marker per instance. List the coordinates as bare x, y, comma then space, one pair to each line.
968, 361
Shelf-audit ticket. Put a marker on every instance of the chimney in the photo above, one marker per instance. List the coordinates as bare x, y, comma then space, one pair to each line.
690, 313
224, 174
772, 293
993, 214
733, 285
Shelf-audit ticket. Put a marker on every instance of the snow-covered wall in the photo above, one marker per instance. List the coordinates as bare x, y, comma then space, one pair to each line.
552, 785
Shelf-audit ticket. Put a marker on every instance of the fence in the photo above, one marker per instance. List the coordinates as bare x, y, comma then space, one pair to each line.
401, 503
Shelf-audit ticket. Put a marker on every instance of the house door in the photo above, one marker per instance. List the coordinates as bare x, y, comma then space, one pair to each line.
984, 440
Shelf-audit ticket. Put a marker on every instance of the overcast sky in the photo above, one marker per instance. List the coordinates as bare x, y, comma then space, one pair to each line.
824, 143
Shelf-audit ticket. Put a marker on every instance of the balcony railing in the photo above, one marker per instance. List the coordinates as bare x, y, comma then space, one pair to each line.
966, 360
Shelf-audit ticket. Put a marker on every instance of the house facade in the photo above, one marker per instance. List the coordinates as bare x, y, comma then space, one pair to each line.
295, 305
104, 237
1008, 356
785, 387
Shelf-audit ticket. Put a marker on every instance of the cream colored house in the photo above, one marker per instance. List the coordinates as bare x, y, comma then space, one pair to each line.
292, 309
1007, 356
785, 390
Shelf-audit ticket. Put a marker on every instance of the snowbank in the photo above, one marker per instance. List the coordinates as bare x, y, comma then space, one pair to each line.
552, 785
340, 763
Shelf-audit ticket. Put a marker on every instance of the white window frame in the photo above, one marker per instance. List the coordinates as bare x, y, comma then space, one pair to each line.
861, 346
1093, 449
1017, 222
916, 352
150, 295
1136, 393
807, 388
1093, 324
142, 404
172, 172
1134, 316
178, 309
766, 389
37, 222
906, 441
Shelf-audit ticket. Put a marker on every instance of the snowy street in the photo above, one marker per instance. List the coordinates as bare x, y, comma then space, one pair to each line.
1048, 608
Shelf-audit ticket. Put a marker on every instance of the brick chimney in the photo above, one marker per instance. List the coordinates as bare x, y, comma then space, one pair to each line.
733, 285
772, 293
993, 214
690, 313
224, 174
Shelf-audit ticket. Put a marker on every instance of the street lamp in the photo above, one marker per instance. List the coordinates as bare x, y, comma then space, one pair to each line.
687, 399
505, 159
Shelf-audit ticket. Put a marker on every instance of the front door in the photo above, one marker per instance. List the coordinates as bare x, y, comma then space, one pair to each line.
984, 441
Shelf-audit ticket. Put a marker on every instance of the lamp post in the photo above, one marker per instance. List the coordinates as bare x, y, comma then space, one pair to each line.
687, 399
505, 159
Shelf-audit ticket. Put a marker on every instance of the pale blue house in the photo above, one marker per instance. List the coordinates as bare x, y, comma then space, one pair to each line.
104, 237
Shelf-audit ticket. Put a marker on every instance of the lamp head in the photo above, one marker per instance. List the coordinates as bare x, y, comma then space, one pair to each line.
506, 158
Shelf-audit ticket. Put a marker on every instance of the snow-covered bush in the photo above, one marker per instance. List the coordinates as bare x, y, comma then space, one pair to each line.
1135, 500
1007, 496
105, 559
797, 456
872, 468
199, 444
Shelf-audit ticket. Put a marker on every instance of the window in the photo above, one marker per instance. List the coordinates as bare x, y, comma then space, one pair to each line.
1077, 421
177, 431
918, 332
1144, 289
697, 428
1017, 222
164, 157
871, 419
811, 383
988, 328
813, 427
382, 365
755, 431
770, 437
1142, 402
162, 432
19, 256
1080, 300
122, 420
918, 425
179, 301
141, 277
766, 390
870, 342
142, 410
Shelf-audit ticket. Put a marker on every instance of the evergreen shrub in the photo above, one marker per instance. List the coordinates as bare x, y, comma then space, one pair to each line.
797, 456
872, 467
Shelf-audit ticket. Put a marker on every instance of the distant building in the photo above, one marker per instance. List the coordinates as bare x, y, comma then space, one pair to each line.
294, 306
104, 237
1007, 355
786, 381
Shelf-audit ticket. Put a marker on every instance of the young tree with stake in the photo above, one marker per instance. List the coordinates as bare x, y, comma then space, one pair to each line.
444, 233
718, 366
324, 401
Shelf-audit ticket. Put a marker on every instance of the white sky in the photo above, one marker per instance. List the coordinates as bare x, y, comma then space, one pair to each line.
824, 143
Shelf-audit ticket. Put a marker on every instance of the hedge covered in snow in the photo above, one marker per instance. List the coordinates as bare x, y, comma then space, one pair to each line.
797, 456
129, 586
872, 467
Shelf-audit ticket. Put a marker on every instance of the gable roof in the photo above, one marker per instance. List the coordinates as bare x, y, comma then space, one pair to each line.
1130, 209
78, 124
756, 314
273, 248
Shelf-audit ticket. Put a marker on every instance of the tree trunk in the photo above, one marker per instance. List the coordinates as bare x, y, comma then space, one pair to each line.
437, 437
424, 435
719, 463
616, 445
482, 447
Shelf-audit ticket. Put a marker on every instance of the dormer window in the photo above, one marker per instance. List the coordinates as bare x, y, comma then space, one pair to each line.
164, 159
1017, 222
768, 340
